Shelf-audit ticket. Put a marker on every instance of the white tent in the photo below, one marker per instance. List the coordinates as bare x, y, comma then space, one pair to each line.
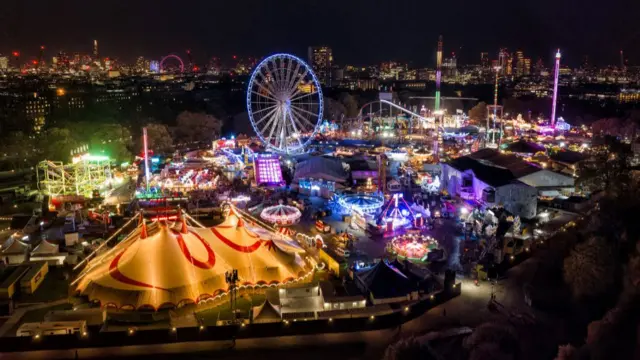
14, 251
48, 252
266, 313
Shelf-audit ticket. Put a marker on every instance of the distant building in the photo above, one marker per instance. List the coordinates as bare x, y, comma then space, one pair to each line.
321, 60
154, 66
95, 50
4, 63
484, 60
519, 63
527, 67
625, 95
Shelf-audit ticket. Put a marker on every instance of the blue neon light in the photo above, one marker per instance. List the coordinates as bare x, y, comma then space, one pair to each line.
316, 84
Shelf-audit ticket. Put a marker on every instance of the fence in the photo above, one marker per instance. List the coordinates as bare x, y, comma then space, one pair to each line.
95, 339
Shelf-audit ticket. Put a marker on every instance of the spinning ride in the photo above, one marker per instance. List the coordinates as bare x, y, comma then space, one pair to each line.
284, 102
367, 204
413, 247
281, 214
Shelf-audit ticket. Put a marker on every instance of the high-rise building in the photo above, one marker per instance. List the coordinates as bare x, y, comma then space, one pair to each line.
527, 66
40, 63
95, 50
154, 66
450, 65
4, 63
509, 70
539, 67
502, 59
519, 63
484, 60
15, 60
321, 60
140, 65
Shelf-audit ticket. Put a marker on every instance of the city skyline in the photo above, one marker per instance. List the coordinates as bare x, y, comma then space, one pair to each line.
258, 29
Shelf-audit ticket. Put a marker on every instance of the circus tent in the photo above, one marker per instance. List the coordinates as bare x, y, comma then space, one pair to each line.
166, 265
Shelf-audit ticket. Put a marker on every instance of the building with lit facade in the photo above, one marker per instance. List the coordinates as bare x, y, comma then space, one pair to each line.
629, 96
321, 61
519, 63
4, 63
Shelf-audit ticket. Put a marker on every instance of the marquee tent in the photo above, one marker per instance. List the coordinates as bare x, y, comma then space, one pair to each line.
166, 265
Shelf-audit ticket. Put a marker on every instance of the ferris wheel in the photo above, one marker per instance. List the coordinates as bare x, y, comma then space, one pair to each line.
284, 101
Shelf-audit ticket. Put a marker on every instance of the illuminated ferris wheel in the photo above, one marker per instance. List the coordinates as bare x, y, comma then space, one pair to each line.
284, 101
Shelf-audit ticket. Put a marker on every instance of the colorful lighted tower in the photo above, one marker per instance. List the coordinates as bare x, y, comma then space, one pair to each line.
495, 106
555, 89
147, 174
438, 73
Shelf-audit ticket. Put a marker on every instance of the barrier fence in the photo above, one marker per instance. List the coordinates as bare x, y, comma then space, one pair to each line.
95, 339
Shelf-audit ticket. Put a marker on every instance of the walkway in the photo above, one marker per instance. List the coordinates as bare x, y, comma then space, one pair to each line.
19, 313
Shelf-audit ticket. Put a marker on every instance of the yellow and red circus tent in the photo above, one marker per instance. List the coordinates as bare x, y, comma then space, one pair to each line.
166, 265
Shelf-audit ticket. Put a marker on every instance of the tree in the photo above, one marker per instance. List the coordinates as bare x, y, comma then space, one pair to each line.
16, 149
590, 269
333, 110
197, 127
350, 103
493, 341
113, 140
409, 349
56, 144
479, 112
159, 139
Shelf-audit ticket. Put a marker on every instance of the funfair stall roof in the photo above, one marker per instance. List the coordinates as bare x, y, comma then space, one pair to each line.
46, 247
384, 281
14, 246
324, 168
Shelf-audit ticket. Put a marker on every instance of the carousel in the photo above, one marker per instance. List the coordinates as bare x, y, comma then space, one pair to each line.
281, 215
413, 247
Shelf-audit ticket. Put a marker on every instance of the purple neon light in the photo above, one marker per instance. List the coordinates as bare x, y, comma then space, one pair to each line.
268, 171
555, 89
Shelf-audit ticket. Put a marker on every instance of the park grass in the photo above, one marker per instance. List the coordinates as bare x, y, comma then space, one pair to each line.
223, 311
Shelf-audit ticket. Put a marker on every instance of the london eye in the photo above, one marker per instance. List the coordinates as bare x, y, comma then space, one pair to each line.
167, 66
284, 102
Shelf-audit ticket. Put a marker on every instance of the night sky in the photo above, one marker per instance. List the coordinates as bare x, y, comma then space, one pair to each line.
359, 31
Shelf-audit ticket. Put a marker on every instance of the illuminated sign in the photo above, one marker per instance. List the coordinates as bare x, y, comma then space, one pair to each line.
268, 170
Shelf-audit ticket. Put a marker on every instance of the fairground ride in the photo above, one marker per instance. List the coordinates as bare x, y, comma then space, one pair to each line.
84, 175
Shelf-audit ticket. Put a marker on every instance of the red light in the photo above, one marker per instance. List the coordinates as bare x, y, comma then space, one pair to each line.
42, 47
35, 62
171, 217
234, 56
16, 54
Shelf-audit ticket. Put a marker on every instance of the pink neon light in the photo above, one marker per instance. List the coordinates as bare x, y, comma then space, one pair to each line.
555, 89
